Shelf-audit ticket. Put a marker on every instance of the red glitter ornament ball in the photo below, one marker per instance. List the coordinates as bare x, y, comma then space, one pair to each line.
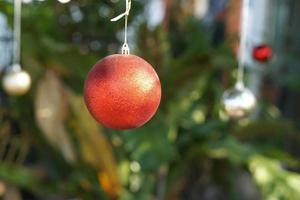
122, 91
262, 53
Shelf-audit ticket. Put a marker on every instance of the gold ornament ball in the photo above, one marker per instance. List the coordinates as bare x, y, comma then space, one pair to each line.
238, 102
16, 82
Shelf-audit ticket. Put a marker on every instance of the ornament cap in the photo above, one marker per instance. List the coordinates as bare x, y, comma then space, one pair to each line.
239, 85
16, 67
125, 49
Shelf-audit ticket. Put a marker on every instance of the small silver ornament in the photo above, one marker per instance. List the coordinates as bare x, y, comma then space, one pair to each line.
16, 82
238, 102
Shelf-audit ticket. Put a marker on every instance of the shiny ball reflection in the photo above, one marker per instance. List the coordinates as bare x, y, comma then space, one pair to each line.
238, 102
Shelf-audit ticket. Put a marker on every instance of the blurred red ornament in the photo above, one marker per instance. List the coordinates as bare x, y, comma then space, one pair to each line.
122, 91
262, 53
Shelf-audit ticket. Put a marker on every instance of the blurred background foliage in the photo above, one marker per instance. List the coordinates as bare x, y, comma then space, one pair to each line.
50, 147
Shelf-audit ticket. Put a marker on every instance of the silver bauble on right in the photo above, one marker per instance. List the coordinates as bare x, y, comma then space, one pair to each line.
238, 102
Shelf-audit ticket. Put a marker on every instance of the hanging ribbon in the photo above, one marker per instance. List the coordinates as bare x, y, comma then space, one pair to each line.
17, 35
125, 48
243, 42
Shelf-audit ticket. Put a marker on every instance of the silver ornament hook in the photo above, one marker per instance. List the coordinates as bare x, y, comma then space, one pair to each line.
125, 48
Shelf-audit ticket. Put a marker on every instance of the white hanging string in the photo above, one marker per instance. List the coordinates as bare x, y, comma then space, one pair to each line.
243, 42
17, 34
125, 48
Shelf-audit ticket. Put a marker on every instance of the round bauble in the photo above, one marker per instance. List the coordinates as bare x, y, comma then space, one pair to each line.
122, 91
262, 53
16, 82
238, 102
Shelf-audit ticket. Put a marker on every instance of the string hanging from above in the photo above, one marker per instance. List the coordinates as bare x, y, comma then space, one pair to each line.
16, 81
240, 101
122, 91
125, 48
17, 34
243, 43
